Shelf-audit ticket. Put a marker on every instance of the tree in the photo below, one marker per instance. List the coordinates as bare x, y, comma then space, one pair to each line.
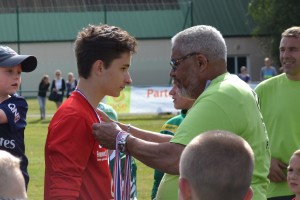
272, 17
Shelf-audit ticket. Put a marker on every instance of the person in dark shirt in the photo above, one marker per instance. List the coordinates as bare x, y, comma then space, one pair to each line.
71, 84
58, 86
43, 89
244, 75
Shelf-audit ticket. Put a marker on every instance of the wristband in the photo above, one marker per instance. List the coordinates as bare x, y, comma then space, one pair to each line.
128, 128
121, 141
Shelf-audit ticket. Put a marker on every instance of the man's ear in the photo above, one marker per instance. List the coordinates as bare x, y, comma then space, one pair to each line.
249, 194
184, 192
202, 62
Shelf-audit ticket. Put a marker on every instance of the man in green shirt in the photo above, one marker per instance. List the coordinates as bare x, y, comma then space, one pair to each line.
279, 99
223, 102
170, 127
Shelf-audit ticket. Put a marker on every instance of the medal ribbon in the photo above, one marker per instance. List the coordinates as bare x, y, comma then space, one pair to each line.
122, 187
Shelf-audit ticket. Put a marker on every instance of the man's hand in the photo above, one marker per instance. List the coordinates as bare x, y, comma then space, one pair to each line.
105, 133
277, 173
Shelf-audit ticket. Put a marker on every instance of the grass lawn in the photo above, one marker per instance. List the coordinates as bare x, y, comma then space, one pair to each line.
35, 136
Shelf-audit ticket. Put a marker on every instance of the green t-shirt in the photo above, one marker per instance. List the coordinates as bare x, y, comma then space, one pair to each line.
229, 104
168, 128
279, 100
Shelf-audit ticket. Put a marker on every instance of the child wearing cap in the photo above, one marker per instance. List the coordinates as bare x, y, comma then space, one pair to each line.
13, 108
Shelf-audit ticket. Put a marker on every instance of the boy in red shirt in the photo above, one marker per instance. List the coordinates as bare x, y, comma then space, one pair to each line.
76, 165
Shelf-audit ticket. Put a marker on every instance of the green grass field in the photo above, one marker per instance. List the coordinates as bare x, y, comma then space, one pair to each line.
35, 136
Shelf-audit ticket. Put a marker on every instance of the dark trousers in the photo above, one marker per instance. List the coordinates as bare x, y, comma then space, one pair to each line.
282, 198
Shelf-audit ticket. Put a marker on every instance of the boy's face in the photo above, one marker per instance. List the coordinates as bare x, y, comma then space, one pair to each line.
117, 76
180, 102
10, 79
293, 174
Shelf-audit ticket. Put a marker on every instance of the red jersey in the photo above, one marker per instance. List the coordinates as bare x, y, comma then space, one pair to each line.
76, 165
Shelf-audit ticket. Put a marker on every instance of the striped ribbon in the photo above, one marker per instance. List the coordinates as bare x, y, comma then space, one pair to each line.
122, 187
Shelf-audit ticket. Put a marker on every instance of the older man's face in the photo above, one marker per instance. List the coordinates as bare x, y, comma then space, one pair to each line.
184, 72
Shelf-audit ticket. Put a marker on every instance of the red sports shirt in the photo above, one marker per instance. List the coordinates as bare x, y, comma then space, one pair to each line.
76, 165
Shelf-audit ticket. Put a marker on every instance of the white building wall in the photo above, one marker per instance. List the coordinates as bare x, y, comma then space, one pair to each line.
251, 48
150, 66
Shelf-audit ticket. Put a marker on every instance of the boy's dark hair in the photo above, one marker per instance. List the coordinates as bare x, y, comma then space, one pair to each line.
101, 42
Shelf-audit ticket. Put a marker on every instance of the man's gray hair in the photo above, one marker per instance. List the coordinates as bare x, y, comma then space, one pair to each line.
202, 39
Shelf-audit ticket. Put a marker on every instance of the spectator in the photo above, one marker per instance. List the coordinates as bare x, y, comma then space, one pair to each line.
71, 84
216, 165
279, 99
244, 75
12, 184
293, 174
76, 165
58, 86
13, 108
224, 102
170, 127
267, 71
42, 93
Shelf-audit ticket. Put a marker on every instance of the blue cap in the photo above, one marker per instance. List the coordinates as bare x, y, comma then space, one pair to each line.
9, 58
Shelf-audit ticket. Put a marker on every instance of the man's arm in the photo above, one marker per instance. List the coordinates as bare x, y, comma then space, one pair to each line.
145, 135
276, 173
150, 136
163, 156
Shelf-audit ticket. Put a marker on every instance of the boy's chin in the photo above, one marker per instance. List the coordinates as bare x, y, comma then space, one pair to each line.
115, 95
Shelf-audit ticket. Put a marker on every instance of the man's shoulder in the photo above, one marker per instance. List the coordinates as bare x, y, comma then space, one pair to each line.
231, 85
271, 81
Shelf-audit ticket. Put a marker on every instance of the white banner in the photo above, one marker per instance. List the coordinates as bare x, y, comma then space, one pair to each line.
143, 100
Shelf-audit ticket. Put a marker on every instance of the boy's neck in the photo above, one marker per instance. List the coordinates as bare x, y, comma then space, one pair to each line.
3, 98
92, 95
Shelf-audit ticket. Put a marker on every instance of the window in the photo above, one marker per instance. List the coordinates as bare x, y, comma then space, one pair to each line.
234, 63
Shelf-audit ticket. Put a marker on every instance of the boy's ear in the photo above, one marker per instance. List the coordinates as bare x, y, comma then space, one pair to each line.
98, 66
184, 192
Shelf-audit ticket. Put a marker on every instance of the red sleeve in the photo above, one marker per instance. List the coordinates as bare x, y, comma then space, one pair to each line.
65, 158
